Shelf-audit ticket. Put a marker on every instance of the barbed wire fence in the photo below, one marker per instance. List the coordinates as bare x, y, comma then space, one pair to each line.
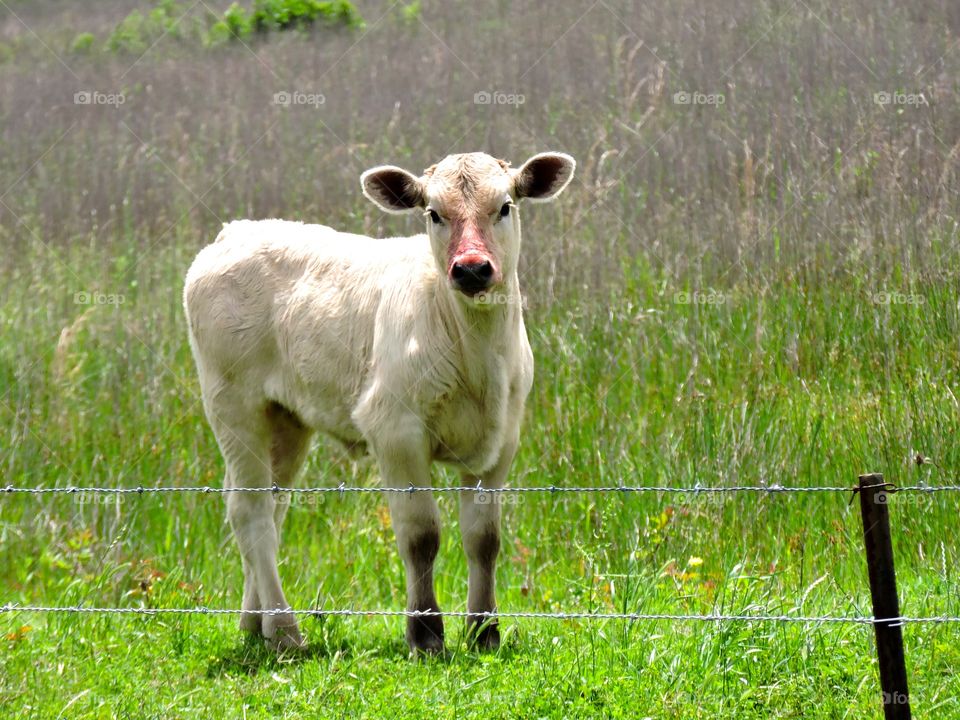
715, 618
343, 489
886, 620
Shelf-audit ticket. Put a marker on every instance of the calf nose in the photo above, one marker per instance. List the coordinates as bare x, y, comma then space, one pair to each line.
472, 276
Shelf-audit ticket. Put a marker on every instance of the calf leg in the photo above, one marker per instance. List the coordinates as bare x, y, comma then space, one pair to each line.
245, 438
290, 440
416, 524
250, 622
480, 531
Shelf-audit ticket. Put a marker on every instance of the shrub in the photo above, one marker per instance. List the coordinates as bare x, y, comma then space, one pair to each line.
237, 22
411, 12
130, 35
286, 14
136, 32
83, 43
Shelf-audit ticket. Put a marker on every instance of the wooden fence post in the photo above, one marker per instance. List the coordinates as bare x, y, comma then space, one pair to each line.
883, 590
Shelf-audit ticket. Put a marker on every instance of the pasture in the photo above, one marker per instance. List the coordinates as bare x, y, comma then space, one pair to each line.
754, 278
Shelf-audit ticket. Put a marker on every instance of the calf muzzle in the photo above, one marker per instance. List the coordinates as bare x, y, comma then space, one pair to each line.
473, 274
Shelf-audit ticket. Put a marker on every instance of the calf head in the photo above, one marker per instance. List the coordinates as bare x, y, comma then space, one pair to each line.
470, 203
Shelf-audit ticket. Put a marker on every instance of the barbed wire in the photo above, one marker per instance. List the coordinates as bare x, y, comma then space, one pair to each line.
809, 619
343, 489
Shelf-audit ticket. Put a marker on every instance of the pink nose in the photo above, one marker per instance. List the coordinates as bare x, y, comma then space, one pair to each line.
472, 273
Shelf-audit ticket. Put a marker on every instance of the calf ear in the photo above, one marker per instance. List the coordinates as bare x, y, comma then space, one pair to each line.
543, 177
393, 189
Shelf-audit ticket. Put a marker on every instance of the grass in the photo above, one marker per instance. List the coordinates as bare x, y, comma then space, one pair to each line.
651, 391
725, 296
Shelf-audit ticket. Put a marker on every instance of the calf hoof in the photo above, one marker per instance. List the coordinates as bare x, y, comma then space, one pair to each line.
280, 632
483, 634
425, 635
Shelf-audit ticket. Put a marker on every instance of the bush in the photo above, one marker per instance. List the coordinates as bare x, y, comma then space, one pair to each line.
130, 35
136, 32
218, 34
411, 12
286, 14
237, 22
234, 25
83, 43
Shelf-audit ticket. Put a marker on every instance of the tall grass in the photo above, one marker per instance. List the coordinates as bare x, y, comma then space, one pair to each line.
798, 163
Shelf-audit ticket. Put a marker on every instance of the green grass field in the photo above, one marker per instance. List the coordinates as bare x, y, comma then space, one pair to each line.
866, 387
699, 313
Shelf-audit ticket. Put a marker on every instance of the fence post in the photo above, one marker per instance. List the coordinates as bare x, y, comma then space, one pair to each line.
883, 591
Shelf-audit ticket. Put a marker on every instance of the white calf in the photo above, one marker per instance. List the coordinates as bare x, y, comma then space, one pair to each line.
411, 348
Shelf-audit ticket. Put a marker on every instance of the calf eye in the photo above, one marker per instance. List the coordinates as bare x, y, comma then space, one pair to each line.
435, 217
505, 210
